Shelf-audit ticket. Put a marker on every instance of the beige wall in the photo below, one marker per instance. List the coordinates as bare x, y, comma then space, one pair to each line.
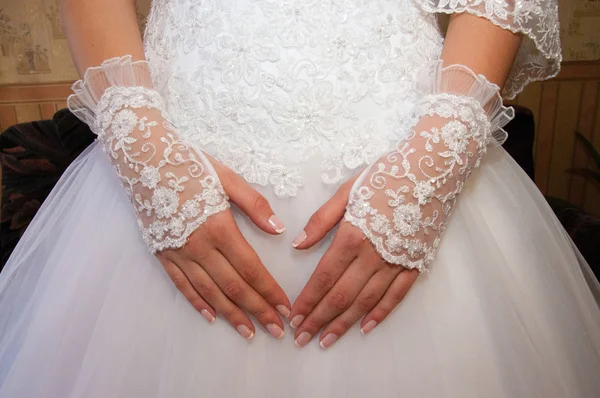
33, 48
579, 28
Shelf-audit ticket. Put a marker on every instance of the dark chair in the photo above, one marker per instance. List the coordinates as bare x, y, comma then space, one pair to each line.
33, 157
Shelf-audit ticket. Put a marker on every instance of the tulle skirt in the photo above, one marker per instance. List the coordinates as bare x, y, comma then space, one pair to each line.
508, 309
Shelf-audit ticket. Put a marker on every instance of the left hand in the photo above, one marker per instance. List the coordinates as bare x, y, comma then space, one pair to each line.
350, 281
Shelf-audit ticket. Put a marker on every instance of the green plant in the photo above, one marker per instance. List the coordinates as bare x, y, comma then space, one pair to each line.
592, 173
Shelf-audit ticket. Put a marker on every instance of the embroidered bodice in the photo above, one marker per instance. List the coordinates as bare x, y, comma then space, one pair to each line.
265, 85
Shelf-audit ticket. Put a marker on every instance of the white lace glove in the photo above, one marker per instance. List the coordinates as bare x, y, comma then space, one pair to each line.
402, 202
172, 186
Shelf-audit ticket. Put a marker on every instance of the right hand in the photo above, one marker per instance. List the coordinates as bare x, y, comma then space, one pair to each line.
218, 272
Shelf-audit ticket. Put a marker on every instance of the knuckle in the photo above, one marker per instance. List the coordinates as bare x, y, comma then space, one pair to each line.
268, 293
205, 291
367, 302
218, 229
324, 280
259, 203
311, 326
201, 256
318, 218
180, 281
339, 301
352, 238
233, 290
232, 315
397, 296
261, 313
250, 274
344, 324
195, 243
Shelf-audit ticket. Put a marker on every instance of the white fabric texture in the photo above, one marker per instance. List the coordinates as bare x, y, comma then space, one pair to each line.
402, 202
172, 186
537, 20
266, 86
505, 311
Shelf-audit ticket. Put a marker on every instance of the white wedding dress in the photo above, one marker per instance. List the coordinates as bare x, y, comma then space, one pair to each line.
297, 96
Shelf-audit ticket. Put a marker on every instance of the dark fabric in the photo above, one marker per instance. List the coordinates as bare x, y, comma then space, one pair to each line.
521, 135
33, 157
583, 229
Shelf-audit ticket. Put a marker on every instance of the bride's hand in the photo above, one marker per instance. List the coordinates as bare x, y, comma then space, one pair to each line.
350, 281
218, 272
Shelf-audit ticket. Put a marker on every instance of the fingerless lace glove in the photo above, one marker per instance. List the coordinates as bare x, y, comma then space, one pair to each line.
172, 186
402, 202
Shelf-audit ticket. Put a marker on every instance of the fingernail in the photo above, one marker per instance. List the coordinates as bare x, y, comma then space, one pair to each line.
283, 310
303, 339
275, 330
296, 321
328, 340
368, 327
245, 332
299, 239
276, 223
208, 316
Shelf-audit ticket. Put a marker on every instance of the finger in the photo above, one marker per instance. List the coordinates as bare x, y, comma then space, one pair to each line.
339, 298
210, 292
392, 297
238, 291
335, 261
324, 219
246, 262
364, 302
251, 202
183, 284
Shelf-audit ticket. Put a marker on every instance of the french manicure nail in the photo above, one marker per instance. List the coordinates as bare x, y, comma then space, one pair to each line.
299, 239
303, 339
296, 321
328, 340
208, 316
275, 330
245, 332
368, 327
276, 223
283, 310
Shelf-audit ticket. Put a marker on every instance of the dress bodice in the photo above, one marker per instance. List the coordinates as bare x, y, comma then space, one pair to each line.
265, 85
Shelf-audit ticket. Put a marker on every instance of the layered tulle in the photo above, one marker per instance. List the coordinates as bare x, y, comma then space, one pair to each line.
505, 311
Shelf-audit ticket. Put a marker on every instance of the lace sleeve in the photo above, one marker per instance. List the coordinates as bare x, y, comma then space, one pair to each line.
172, 186
540, 55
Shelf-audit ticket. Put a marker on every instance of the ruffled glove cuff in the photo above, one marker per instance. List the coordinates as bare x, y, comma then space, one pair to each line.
402, 202
172, 186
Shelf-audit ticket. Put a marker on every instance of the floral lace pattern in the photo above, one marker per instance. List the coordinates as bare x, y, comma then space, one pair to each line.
402, 202
267, 85
278, 83
540, 55
168, 183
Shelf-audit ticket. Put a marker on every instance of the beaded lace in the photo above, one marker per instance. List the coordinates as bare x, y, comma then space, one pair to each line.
172, 186
266, 86
402, 201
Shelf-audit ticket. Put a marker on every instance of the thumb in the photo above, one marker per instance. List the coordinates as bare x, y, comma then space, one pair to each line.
248, 199
324, 219
251, 202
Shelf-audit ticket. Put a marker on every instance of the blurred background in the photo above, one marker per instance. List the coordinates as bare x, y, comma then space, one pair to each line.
36, 73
